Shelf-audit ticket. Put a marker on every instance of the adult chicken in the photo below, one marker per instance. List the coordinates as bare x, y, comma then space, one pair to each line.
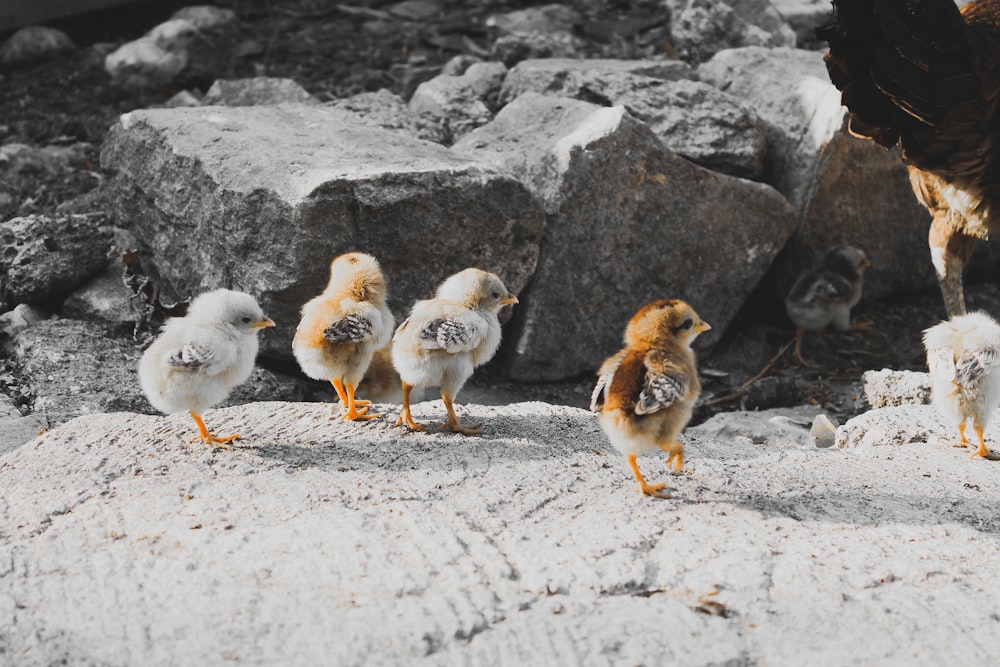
926, 75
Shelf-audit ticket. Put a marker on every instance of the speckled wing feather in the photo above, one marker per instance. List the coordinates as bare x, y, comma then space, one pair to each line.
821, 288
460, 332
190, 355
666, 383
973, 365
350, 329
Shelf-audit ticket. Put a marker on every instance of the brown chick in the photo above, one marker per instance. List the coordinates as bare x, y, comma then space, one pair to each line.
645, 393
342, 328
445, 338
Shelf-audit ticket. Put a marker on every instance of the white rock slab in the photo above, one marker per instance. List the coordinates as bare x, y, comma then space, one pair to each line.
322, 542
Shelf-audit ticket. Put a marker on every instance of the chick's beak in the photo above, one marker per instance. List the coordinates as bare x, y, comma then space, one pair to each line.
509, 300
263, 324
702, 327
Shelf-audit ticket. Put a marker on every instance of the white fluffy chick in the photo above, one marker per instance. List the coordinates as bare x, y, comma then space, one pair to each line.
446, 337
342, 328
962, 355
199, 358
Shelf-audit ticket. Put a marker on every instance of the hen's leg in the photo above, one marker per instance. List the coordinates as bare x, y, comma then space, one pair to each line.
654, 490
951, 249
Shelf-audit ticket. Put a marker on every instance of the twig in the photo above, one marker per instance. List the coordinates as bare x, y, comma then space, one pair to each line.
736, 393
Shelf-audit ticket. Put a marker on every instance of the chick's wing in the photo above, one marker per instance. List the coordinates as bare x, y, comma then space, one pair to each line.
191, 356
460, 331
666, 382
604, 377
972, 365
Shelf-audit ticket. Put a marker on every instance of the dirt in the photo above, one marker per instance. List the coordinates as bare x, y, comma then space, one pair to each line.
338, 49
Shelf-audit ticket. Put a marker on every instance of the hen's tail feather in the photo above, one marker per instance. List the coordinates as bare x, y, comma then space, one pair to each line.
907, 75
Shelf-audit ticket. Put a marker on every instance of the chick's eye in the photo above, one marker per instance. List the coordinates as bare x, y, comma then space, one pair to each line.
687, 324
495, 296
246, 319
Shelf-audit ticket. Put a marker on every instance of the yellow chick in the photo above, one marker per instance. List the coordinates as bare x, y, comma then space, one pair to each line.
645, 393
446, 337
342, 328
825, 296
962, 355
199, 358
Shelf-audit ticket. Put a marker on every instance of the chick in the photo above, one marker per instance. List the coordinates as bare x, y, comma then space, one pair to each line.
645, 393
826, 295
199, 358
342, 327
962, 355
446, 337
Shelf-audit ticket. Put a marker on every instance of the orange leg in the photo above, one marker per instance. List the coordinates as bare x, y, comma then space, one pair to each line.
404, 415
353, 414
677, 457
453, 424
983, 450
345, 398
208, 438
963, 442
649, 490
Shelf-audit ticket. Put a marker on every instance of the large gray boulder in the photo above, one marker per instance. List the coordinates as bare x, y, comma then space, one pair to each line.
262, 198
845, 189
693, 119
628, 222
323, 542
701, 28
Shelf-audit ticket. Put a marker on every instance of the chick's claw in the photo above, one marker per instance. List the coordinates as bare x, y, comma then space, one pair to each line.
412, 425
456, 427
654, 491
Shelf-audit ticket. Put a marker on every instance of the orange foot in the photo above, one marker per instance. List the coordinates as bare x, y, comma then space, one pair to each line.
408, 420
453, 424
652, 490
983, 451
209, 439
677, 457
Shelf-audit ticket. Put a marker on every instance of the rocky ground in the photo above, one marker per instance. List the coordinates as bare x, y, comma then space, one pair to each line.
64, 107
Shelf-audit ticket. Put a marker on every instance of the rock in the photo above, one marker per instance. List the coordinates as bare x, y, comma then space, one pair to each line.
823, 432
568, 77
143, 64
34, 44
803, 16
695, 120
306, 188
105, 298
79, 368
460, 103
779, 427
20, 317
258, 90
827, 174
534, 32
173, 35
901, 426
387, 110
206, 17
887, 387
15, 428
184, 98
527, 546
44, 258
701, 28
626, 224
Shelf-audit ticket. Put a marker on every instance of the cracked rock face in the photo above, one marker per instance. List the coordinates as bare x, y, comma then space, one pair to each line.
348, 543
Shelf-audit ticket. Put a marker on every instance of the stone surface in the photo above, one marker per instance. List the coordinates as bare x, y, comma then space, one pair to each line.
142, 64
545, 31
804, 16
21, 316
701, 28
386, 110
44, 258
694, 119
258, 90
460, 103
104, 298
204, 17
33, 44
785, 427
846, 190
628, 222
572, 77
888, 387
306, 188
903, 425
78, 368
319, 541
